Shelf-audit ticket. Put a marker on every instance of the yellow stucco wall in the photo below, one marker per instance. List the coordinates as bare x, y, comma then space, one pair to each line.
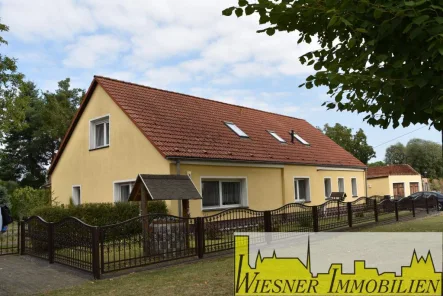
378, 186
406, 179
384, 186
317, 187
129, 154
271, 187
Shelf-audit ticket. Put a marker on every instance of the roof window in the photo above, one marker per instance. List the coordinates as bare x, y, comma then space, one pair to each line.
275, 135
300, 139
236, 130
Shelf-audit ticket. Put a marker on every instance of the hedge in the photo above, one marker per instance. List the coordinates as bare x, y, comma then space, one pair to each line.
98, 214
24, 200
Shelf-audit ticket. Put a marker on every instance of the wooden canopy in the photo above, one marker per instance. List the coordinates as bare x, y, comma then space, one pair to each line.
164, 187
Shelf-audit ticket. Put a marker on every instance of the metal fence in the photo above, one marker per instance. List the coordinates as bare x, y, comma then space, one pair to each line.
158, 238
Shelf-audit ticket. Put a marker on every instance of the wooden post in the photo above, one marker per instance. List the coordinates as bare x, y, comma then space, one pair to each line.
95, 232
396, 210
186, 215
413, 208
145, 222
51, 251
426, 203
375, 210
349, 207
22, 238
315, 218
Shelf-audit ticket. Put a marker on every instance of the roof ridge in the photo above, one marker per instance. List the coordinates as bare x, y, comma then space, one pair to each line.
195, 97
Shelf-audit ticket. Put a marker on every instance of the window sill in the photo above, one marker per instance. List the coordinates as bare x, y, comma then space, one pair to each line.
223, 208
98, 148
355, 196
302, 201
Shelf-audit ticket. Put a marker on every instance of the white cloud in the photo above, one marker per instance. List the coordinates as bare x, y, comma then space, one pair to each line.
50, 19
162, 77
93, 51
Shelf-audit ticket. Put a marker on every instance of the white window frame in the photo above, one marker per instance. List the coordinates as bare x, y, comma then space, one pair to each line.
338, 185
243, 191
277, 137
330, 184
308, 188
352, 187
92, 124
79, 196
116, 187
238, 131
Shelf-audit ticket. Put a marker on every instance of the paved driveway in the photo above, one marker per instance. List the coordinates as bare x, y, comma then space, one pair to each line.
24, 275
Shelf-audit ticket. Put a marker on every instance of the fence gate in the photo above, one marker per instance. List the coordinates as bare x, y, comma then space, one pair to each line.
10, 240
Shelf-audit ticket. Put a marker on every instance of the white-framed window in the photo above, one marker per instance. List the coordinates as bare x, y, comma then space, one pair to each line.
236, 130
341, 184
99, 132
277, 137
223, 193
302, 190
354, 187
328, 187
76, 195
122, 190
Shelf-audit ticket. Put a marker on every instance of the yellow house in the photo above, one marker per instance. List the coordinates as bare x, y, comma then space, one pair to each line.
395, 180
235, 156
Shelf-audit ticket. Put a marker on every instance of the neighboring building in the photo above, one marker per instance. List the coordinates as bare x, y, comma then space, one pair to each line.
235, 156
395, 180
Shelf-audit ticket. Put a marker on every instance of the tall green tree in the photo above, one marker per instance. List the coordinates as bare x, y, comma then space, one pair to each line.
382, 58
356, 144
396, 154
377, 164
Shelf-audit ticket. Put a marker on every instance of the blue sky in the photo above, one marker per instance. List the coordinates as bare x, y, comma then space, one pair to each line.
180, 45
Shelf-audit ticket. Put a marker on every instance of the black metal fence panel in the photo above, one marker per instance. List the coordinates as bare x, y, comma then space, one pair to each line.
36, 237
332, 214
219, 228
10, 240
146, 240
363, 210
292, 218
72, 243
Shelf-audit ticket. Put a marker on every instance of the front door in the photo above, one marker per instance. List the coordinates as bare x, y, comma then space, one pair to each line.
399, 190
413, 187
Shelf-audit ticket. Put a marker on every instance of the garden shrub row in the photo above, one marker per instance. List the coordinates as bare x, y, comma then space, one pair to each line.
98, 214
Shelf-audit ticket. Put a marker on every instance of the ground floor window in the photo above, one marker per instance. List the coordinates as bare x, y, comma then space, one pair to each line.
328, 187
223, 193
76, 195
341, 185
122, 190
301, 189
354, 187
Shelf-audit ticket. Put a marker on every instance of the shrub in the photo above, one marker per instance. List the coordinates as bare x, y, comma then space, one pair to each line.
306, 221
24, 200
4, 196
99, 214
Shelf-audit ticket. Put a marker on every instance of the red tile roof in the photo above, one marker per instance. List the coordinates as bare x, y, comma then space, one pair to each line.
187, 127
396, 169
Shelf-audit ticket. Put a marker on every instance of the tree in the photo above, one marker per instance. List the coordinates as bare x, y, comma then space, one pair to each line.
30, 146
396, 154
355, 144
377, 164
380, 58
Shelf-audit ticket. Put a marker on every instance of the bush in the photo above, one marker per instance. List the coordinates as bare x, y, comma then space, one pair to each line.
99, 214
24, 200
4, 196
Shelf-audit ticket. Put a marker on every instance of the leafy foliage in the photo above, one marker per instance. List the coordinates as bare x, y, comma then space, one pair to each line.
377, 164
380, 58
424, 156
356, 144
25, 200
4, 197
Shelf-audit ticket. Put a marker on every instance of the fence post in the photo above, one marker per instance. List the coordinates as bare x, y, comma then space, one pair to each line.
22, 238
426, 203
413, 208
338, 209
51, 242
268, 221
315, 218
349, 207
95, 252
396, 210
200, 237
375, 210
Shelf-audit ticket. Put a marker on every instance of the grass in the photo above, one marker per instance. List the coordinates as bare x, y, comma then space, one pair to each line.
210, 276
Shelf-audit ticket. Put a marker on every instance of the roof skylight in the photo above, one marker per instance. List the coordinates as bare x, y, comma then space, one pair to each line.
301, 140
275, 135
236, 130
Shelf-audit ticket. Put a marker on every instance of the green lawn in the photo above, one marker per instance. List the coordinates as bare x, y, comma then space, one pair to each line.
210, 276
